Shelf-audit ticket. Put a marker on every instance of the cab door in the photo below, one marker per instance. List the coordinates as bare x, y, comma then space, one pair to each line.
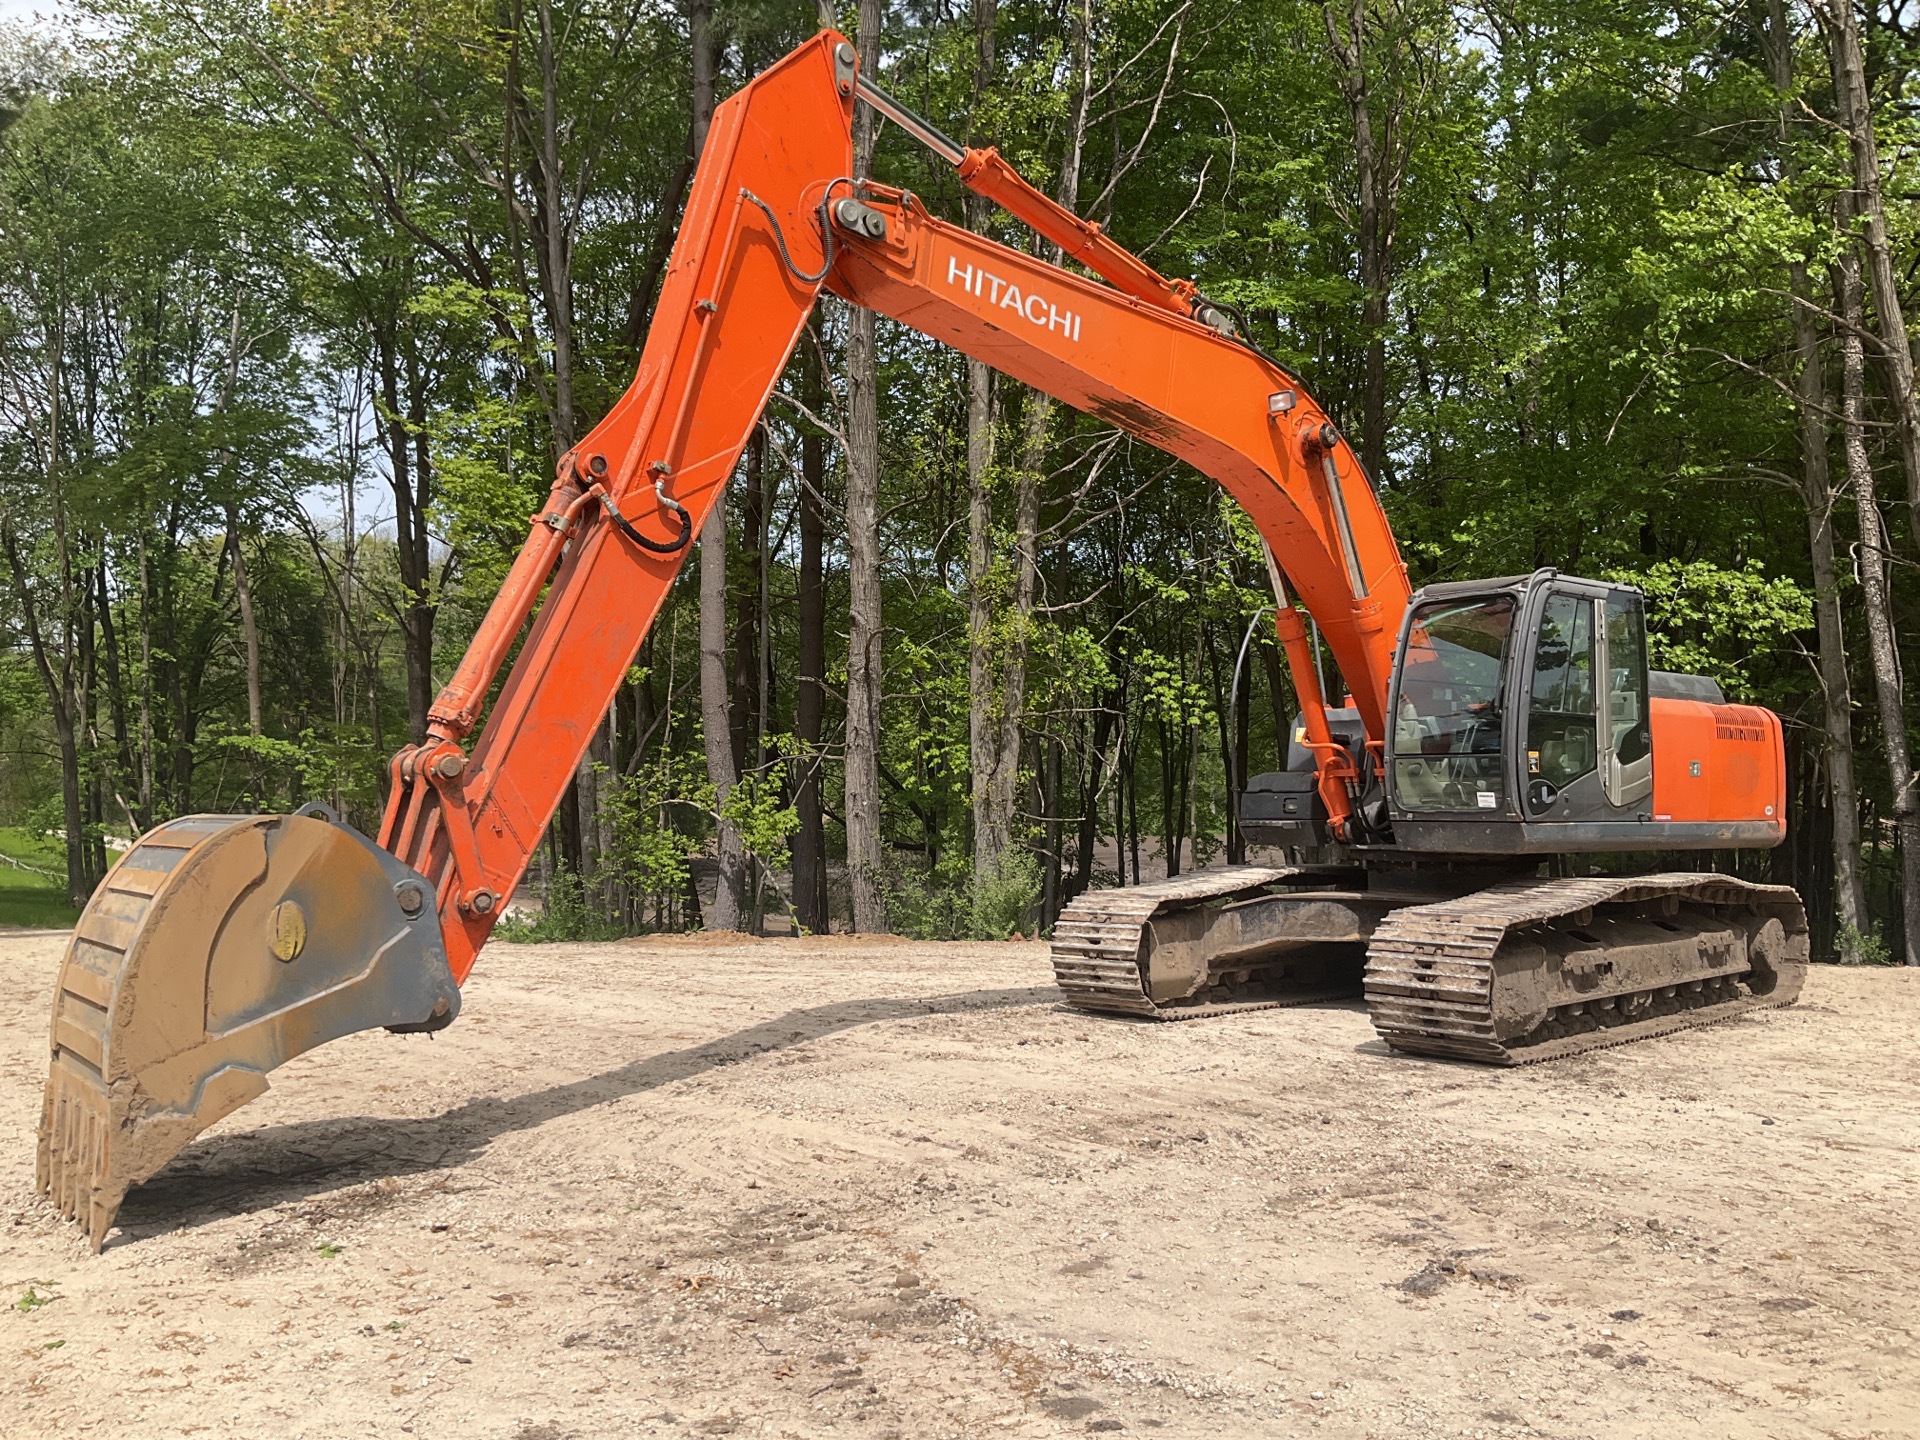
1587, 752
1561, 738
1626, 730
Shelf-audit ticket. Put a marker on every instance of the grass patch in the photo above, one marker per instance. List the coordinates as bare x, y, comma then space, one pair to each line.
32, 1300
326, 1250
34, 898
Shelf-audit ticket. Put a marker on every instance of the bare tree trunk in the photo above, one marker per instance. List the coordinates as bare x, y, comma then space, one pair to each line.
982, 701
714, 709
55, 666
1051, 801
998, 708
410, 496
1376, 231
990, 819
1878, 602
556, 254
1091, 796
748, 676
1011, 709
250, 641
864, 627
705, 61
242, 582
1856, 117
110, 640
51, 638
810, 698
146, 688
717, 737
1816, 491
553, 260
604, 753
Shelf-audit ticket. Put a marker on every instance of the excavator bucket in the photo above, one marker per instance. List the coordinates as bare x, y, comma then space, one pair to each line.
218, 948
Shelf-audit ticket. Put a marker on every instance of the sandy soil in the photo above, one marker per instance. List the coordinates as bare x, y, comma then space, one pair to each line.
789, 1188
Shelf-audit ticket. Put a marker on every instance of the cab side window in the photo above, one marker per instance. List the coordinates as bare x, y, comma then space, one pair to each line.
1562, 733
1629, 734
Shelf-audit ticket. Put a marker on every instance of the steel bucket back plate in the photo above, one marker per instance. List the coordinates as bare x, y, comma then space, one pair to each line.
218, 948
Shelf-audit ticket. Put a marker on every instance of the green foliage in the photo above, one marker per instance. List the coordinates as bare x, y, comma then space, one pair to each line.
930, 902
950, 902
1704, 619
565, 915
762, 818
1003, 902
659, 817
1857, 948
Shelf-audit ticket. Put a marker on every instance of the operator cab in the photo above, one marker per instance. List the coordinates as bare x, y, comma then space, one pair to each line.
1525, 721
1520, 701
1521, 720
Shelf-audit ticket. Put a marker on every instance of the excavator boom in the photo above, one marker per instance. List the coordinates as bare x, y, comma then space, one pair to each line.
224, 945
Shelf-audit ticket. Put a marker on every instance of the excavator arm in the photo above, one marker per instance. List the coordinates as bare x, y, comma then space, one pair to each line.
224, 945
771, 222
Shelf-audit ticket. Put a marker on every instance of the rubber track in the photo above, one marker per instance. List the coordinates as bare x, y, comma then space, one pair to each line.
1429, 976
1096, 943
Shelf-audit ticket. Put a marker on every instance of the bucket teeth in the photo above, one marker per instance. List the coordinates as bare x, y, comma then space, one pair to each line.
72, 1168
217, 949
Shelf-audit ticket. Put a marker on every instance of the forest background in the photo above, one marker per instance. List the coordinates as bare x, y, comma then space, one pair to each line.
300, 302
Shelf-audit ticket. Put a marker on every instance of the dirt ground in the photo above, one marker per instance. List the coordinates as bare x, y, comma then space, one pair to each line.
784, 1188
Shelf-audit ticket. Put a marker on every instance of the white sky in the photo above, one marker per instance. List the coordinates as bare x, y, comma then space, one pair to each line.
21, 12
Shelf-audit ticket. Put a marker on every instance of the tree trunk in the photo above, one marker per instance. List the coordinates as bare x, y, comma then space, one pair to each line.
556, 256
998, 708
1090, 801
864, 859
1376, 233
810, 697
410, 495
747, 666
1868, 206
1008, 713
110, 641
1050, 805
55, 670
991, 819
1242, 759
983, 749
1878, 602
588, 829
1816, 492
250, 644
1172, 803
717, 736
242, 583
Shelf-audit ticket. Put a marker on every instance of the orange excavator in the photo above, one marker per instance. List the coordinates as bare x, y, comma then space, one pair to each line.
1494, 734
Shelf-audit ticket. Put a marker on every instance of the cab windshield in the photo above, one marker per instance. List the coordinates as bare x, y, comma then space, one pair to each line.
1447, 732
